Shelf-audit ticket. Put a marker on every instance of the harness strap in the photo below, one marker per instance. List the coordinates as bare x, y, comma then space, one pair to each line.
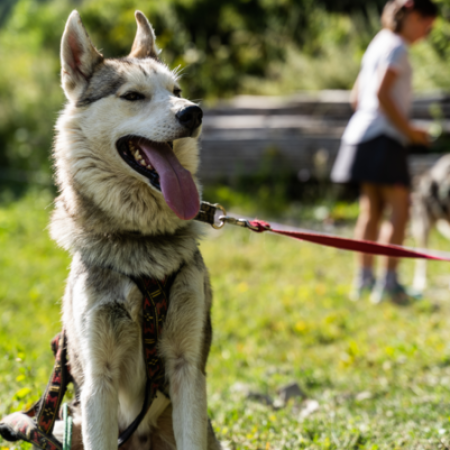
154, 311
35, 425
56, 388
18, 426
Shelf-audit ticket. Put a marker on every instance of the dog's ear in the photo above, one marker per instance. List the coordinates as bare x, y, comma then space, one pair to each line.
144, 45
78, 57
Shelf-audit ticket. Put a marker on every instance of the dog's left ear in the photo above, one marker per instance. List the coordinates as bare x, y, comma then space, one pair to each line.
144, 45
78, 57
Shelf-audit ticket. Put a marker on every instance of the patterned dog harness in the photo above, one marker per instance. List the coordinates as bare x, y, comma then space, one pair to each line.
35, 425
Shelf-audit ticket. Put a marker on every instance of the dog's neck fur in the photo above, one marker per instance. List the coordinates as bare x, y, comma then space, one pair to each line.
79, 226
108, 216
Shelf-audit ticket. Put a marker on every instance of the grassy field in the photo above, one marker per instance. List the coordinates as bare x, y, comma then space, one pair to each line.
373, 377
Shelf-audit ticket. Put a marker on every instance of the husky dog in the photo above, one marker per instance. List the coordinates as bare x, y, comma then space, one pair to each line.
126, 154
430, 207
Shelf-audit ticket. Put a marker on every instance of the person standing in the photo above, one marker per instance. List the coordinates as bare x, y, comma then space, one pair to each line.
373, 151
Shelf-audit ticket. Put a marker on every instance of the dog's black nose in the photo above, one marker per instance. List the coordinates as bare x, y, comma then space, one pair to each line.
190, 117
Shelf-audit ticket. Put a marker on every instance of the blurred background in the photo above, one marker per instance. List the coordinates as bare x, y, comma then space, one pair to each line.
233, 54
273, 77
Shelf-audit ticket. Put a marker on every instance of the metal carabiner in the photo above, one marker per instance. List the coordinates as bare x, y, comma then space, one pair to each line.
233, 221
221, 223
243, 223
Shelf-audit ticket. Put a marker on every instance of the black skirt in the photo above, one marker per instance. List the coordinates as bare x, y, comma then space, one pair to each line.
381, 160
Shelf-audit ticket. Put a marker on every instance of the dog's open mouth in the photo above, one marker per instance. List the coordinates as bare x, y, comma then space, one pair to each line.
157, 162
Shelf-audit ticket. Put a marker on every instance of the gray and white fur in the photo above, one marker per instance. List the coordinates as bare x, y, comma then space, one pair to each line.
116, 224
430, 207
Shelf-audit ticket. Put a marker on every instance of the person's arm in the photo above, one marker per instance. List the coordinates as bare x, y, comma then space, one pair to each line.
354, 95
400, 121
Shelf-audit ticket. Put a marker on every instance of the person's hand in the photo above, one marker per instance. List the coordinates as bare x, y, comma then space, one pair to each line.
418, 136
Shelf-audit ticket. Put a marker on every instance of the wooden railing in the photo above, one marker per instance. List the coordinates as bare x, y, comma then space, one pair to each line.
300, 134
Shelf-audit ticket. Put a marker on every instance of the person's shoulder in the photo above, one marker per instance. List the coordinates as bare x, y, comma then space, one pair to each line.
373, 47
386, 45
390, 45
378, 38
393, 41
382, 41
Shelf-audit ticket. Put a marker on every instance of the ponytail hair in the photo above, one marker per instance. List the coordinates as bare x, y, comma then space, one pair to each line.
395, 11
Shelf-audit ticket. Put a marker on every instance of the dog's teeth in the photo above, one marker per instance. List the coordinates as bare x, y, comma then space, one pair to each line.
142, 162
136, 154
149, 167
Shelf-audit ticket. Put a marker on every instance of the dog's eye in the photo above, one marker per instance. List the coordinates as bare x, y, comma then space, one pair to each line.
177, 92
132, 96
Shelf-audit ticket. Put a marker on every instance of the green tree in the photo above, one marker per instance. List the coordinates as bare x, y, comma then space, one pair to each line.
222, 48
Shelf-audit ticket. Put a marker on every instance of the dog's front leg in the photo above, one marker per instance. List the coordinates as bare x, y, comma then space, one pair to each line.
182, 349
100, 354
188, 395
99, 406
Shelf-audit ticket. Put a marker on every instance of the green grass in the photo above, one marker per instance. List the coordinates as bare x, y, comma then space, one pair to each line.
380, 374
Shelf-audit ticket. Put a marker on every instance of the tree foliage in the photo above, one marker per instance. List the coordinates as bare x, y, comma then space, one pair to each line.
223, 47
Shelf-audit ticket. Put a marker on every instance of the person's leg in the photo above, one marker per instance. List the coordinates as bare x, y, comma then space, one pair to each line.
367, 226
393, 232
370, 213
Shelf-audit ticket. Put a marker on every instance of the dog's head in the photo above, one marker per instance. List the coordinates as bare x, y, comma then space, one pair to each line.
127, 140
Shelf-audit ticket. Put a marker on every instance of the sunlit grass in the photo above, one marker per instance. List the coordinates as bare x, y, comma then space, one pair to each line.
380, 374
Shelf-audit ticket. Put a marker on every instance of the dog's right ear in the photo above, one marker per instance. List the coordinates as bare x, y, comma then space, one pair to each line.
78, 57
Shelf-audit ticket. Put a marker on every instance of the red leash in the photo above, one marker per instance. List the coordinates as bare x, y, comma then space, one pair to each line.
215, 215
353, 245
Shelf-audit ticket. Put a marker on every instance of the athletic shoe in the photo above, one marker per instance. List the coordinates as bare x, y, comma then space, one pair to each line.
360, 289
397, 294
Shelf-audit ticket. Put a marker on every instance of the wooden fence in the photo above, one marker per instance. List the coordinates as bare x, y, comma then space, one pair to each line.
300, 134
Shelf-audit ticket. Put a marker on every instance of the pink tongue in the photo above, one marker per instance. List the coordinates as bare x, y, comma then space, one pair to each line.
177, 184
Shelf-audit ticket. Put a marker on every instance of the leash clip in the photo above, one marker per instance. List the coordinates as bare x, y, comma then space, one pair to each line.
243, 223
216, 215
220, 223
